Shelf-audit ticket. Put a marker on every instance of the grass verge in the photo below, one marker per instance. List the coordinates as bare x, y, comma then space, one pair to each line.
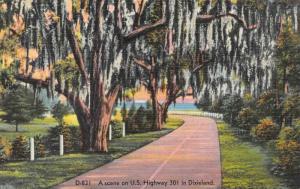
50, 171
244, 165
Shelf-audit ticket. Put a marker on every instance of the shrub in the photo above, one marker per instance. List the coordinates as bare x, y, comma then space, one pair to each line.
2, 154
216, 106
75, 138
39, 146
266, 130
289, 155
58, 111
288, 150
232, 105
266, 105
139, 120
287, 133
247, 118
20, 148
117, 127
4, 150
71, 138
130, 122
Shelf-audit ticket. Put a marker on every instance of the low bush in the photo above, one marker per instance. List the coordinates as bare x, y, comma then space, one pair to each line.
139, 120
266, 130
231, 106
3, 156
117, 129
20, 148
75, 139
288, 150
71, 138
5, 150
247, 119
288, 156
39, 146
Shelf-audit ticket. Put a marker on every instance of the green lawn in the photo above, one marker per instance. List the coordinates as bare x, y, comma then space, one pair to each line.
37, 126
244, 165
51, 171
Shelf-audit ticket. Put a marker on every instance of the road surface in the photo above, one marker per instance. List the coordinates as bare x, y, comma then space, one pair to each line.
189, 157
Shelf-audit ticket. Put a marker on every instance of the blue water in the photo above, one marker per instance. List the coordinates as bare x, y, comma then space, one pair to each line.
177, 107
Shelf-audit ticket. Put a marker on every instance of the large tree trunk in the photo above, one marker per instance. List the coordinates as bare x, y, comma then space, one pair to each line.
100, 139
285, 92
85, 125
102, 119
157, 112
17, 127
165, 108
94, 121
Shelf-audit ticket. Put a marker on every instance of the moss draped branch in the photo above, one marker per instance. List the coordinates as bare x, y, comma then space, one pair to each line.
240, 21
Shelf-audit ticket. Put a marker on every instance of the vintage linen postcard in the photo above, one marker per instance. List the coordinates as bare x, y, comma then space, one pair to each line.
149, 94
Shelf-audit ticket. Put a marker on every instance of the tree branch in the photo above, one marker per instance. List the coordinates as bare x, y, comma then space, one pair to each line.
118, 17
113, 94
143, 82
142, 30
30, 80
197, 68
142, 64
210, 18
76, 51
75, 101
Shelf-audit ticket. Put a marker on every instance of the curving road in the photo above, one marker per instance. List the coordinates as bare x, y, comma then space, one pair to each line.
189, 157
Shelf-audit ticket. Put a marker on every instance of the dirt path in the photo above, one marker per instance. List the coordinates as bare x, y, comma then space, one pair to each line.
189, 157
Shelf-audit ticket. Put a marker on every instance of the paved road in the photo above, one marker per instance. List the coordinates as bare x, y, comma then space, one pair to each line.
189, 157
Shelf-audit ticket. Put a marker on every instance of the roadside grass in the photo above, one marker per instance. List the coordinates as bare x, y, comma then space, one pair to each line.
244, 165
50, 171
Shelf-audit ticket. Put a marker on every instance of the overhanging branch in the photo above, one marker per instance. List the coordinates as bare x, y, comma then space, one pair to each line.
32, 81
210, 18
142, 30
72, 98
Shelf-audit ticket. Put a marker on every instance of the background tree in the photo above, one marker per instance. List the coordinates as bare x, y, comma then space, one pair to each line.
287, 72
59, 110
19, 107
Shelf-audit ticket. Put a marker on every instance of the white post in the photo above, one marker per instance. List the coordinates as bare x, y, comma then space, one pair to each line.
31, 149
61, 145
110, 133
123, 130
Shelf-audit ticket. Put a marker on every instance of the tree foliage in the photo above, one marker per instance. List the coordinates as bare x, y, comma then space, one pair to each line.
18, 105
232, 105
59, 110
